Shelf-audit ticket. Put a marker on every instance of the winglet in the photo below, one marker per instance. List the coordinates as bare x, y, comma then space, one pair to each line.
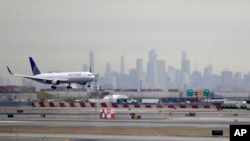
10, 70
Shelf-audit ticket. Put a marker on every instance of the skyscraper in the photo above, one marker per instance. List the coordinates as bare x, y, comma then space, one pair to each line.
227, 79
208, 71
208, 77
161, 77
152, 68
91, 61
185, 70
132, 83
196, 80
122, 66
139, 73
172, 75
108, 75
185, 64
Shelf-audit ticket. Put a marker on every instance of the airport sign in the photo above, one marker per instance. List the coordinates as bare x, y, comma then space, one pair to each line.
206, 92
189, 92
200, 93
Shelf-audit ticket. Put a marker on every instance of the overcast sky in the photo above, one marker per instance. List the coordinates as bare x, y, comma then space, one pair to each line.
59, 34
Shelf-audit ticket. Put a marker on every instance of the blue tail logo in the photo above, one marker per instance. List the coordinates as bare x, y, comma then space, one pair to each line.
34, 67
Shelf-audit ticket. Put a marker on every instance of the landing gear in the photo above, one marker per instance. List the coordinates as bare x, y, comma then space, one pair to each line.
53, 87
69, 87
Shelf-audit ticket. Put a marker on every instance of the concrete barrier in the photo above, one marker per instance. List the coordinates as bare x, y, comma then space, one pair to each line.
195, 106
114, 105
207, 106
72, 104
82, 104
52, 104
148, 106
93, 105
41, 104
183, 106
171, 106
104, 105
159, 106
136, 105
61, 104
125, 106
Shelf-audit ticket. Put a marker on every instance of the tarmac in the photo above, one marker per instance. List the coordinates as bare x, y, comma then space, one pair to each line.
86, 124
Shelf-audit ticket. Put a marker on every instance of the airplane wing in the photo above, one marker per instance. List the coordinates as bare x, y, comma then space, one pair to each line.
42, 80
19, 75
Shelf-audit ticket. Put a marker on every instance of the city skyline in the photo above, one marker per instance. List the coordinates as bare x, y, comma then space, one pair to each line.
60, 34
156, 72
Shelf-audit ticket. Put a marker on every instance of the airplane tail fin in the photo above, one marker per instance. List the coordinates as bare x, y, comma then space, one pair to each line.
34, 67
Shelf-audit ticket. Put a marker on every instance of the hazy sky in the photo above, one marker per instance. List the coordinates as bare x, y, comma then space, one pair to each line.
59, 34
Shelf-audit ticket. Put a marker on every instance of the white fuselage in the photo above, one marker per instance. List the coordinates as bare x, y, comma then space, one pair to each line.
65, 77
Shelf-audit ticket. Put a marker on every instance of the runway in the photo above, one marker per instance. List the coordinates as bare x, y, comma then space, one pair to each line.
123, 113
74, 137
81, 122
173, 123
150, 118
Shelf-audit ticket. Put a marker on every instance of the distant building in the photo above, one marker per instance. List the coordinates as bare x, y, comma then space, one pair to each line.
161, 75
91, 61
171, 79
108, 80
122, 66
196, 80
227, 80
185, 63
132, 82
151, 69
185, 70
208, 71
139, 73
207, 77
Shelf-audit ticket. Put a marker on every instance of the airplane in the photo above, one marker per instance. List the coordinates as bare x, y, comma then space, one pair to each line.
57, 78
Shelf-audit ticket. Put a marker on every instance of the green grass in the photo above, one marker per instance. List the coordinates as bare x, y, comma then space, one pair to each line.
44, 95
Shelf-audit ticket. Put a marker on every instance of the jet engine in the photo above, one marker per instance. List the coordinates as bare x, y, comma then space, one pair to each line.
56, 82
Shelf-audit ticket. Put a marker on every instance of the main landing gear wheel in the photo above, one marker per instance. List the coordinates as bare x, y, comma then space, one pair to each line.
69, 87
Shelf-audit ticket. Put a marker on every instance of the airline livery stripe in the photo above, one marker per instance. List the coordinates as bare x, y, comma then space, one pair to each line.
35, 70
